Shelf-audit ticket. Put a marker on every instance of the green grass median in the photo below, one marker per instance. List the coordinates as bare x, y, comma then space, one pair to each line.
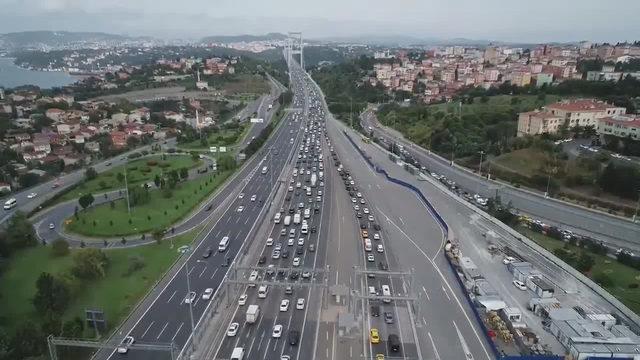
160, 212
116, 293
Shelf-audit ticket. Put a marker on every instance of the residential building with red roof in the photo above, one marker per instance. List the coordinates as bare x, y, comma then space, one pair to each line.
624, 126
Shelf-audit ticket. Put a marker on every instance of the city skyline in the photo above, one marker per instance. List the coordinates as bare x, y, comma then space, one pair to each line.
490, 20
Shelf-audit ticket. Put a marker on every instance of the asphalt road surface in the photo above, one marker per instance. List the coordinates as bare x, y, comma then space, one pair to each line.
614, 230
167, 319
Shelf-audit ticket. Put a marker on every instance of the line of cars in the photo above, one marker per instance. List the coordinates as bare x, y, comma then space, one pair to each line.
288, 256
374, 253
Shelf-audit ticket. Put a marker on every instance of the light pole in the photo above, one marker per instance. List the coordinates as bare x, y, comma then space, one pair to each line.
480, 164
635, 216
126, 189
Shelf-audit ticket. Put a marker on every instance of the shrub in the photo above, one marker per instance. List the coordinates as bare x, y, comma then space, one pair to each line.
135, 263
603, 280
60, 247
164, 165
633, 286
152, 163
145, 169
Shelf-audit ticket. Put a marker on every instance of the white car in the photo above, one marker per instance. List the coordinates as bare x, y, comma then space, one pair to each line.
359, 195
32, 195
356, 207
290, 242
376, 236
290, 188
206, 295
520, 285
241, 196
365, 210
240, 208
301, 241
269, 241
233, 329
296, 261
123, 348
284, 305
508, 260
379, 248
253, 276
242, 300
300, 304
253, 197
353, 200
362, 201
277, 331
52, 226
190, 297
370, 258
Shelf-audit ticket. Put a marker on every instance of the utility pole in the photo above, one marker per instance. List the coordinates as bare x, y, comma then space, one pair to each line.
635, 216
480, 164
186, 267
126, 189
546, 193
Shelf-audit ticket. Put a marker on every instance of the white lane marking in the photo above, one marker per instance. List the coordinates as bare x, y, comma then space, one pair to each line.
465, 348
203, 271
177, 331
426, 293
401, 221
246, 221
214, 273
191, 270
445, 292
172, 295
145, 332
444, 280
161, 331
433, 344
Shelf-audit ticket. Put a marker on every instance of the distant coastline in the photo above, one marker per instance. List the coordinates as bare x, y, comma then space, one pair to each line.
13, 75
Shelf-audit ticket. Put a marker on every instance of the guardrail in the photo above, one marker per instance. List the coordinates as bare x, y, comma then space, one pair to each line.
445, 228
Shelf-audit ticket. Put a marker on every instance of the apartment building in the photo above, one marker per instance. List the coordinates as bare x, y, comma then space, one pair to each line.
624, 126
581, 112
538, 122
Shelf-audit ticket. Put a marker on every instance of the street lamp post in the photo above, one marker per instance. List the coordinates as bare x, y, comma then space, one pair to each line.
546, 193
480, 164
635, 216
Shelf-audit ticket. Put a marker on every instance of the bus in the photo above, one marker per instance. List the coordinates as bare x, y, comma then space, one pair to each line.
10, 204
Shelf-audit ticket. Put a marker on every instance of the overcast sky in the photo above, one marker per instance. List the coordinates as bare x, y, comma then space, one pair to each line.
505, 20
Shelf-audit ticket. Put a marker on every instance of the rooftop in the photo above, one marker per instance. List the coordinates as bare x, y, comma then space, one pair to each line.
581, 105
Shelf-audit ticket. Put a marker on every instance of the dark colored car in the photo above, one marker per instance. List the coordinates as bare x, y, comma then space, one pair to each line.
363, 225
294, 275
394, 343
299, 250
312, 247
209, 208
313, 228
207, 253
285, 254
262, 260
383, 266
291, 211
294, 337
388, 317
375, 310
377, 227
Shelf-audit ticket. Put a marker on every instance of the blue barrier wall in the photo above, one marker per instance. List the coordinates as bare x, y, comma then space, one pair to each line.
445, 228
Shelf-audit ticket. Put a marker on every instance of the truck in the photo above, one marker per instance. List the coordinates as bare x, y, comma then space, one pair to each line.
314, 180
296, 218
253, 313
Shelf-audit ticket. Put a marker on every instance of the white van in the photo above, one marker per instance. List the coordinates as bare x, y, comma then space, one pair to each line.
277, 218
10, 204
224, 243
296, 218
287, 220
262, 291
367, 245
237, 354
386, 291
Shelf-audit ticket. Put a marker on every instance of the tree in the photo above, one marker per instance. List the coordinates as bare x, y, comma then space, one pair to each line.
120, 177
90, 173
226, 162
156, 180
86, 200
50, 324
89, 264
60, 247
157, 235
27, 341
585, 262
5, 340
184, 173
20, 232
28, 180
51, 294
73, 328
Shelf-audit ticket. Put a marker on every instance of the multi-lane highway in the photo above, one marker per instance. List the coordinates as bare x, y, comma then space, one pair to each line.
601, 226
166, 318
290, 265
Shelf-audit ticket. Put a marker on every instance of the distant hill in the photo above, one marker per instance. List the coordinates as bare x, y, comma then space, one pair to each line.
225, 39
58, 39
408, 41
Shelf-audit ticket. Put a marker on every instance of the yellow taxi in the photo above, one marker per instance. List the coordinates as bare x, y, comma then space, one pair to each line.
379, 356
374, 337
